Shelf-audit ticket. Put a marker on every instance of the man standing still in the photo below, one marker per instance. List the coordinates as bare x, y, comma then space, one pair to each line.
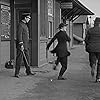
61, 48
92, 41
22, 44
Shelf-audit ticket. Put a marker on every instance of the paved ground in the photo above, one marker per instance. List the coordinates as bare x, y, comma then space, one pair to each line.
78, 86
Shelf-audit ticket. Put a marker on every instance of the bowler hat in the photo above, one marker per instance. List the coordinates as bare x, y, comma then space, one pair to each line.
97, 20
62, 25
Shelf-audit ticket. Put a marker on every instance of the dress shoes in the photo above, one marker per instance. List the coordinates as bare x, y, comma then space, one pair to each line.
54, 67
61, 78
17, 76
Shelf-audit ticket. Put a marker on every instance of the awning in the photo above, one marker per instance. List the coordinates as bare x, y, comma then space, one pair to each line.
77, 9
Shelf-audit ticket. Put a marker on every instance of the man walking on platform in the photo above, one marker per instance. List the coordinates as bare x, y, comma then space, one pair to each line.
92, 41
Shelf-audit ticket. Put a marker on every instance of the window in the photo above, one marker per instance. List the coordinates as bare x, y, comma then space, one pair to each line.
50, 29
50, 7
50, 18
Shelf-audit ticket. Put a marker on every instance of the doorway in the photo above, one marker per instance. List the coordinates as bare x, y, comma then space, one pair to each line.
19, 12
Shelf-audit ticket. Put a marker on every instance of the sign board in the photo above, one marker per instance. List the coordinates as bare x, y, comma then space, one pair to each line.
5, 22
66, 5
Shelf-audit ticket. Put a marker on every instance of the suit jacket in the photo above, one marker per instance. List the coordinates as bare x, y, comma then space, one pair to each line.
22, 35
61, 48
92, 39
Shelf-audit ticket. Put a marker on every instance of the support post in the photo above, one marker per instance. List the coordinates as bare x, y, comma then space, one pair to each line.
35, 42
12, 30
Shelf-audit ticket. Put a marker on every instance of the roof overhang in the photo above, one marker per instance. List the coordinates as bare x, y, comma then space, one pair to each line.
76, 10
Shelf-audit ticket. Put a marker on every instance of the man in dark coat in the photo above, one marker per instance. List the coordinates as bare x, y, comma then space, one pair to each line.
22, 44
92, 41
61, 48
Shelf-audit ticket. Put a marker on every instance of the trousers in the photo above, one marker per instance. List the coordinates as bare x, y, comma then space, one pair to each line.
94, 59
63, 61
19, 59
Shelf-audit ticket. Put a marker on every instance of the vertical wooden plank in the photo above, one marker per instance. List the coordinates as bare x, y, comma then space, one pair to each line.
57, 15
71, 33
12, 30
34, 12
46, 17
0, 36
38, 32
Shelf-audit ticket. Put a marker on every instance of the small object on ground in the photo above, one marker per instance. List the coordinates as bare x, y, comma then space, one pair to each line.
9, 64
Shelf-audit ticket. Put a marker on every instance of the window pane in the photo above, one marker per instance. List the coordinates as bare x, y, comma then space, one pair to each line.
50, 29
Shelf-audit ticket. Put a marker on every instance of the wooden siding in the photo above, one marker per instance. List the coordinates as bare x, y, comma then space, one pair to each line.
5, 52
43, 18
43, 55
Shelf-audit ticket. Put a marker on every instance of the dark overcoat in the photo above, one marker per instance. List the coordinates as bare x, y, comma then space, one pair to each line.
92, 39
22, 35
61, 48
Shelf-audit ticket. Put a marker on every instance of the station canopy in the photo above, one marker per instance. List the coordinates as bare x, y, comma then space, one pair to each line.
71, 9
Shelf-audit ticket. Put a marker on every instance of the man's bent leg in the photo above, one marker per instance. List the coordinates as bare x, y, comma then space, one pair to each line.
63, 62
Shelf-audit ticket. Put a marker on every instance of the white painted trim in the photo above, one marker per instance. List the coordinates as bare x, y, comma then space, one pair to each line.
60, 15
38, 33
54, 17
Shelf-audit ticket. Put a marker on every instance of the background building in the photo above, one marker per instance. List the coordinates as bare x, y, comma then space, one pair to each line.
79, 29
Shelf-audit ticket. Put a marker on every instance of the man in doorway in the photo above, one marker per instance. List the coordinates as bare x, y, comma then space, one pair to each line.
22, 45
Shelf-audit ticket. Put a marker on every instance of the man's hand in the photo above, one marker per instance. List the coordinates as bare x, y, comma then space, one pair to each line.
22, 48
